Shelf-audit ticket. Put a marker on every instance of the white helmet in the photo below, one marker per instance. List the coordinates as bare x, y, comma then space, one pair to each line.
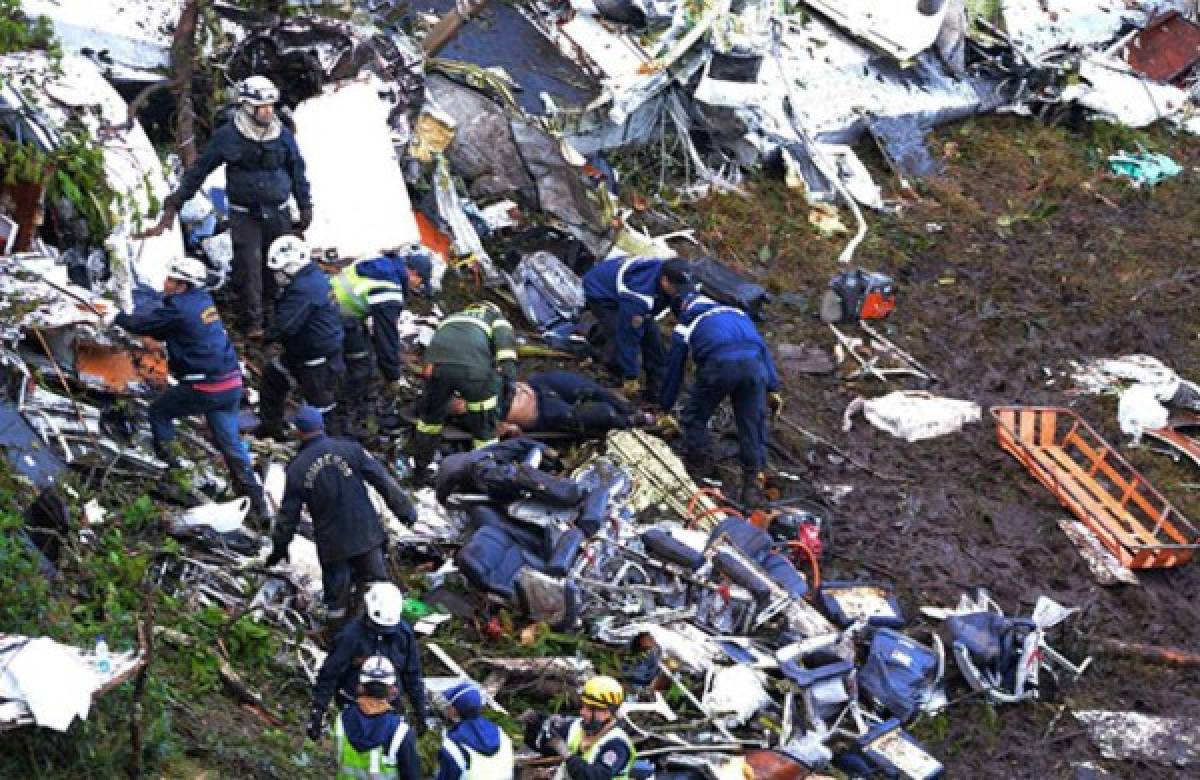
385, 604
377, 669
190, 270
257, 91
288, 254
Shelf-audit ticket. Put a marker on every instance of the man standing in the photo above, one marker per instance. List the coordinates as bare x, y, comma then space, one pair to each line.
308, 327
626, 295
203, 362
473, 353
373, 741
375, 290
732, 361
474, 748
381, 631
330, 477
593, 746
263, 167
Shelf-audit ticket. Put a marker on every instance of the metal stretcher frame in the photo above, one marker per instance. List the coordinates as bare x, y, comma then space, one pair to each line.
1125, 512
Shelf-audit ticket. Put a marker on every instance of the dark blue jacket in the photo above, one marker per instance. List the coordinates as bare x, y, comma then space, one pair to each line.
258, 174
308, 321
726, 334
477, 733
629, 285
367, 732
385, 310
198, 348
356, 642
330, 476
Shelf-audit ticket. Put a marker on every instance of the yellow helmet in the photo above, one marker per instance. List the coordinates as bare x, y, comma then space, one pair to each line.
603, 691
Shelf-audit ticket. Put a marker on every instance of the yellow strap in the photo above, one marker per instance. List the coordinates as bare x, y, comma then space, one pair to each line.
485, 405
481, 443
433, 429
506, 354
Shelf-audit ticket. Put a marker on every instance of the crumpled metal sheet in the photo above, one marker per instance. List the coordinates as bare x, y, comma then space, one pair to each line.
660, 476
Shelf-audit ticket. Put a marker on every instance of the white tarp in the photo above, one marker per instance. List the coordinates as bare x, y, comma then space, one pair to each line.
131, 164
360, 199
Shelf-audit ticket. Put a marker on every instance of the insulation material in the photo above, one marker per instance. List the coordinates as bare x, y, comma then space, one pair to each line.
737, 693
912, 415
360, 200
1132, 736
1139, 409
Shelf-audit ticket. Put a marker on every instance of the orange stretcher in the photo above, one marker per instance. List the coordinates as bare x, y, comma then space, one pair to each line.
1129, 517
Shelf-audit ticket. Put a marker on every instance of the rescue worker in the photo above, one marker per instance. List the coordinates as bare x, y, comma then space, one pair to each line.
473, 353
330, 477
263, 167
379, 631
593, 746
308, 328
474, 748
203, 362
732, 361
626, 295
373, 741
375, 289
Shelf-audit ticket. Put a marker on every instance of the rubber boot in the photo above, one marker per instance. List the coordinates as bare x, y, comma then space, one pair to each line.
422, 447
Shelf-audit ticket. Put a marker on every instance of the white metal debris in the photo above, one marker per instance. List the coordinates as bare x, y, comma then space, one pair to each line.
902, 29
360, 200
45, 99
130, 39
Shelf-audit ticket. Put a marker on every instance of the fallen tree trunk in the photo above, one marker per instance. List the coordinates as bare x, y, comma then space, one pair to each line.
1171, 656
244, 694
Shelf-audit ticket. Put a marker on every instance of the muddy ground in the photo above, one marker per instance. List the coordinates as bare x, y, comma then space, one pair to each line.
1037, 257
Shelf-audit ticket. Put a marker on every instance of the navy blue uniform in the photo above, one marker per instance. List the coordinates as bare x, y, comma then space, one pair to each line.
624, 296
732, 361
560, 392
259, 177
202, 359
359, 640
309, 326
329, 476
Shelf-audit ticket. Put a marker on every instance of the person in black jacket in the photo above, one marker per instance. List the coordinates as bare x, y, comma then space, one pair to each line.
381, 631
203, 362
308, 327
330, 477
263, 166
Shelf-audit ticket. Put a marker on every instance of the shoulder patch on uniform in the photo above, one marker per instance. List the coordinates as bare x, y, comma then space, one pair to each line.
209, 315
609, 758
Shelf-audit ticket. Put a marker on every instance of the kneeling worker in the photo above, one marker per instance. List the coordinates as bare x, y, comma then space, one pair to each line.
373, 741
474, 748
593, 746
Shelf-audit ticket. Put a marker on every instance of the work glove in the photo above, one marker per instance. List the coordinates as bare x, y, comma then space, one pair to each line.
306, 217
170, 209
631, 388
316, 721
775, 404
668, 425
279, 552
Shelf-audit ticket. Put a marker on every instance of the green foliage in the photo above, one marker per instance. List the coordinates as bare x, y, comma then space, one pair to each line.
20, 33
